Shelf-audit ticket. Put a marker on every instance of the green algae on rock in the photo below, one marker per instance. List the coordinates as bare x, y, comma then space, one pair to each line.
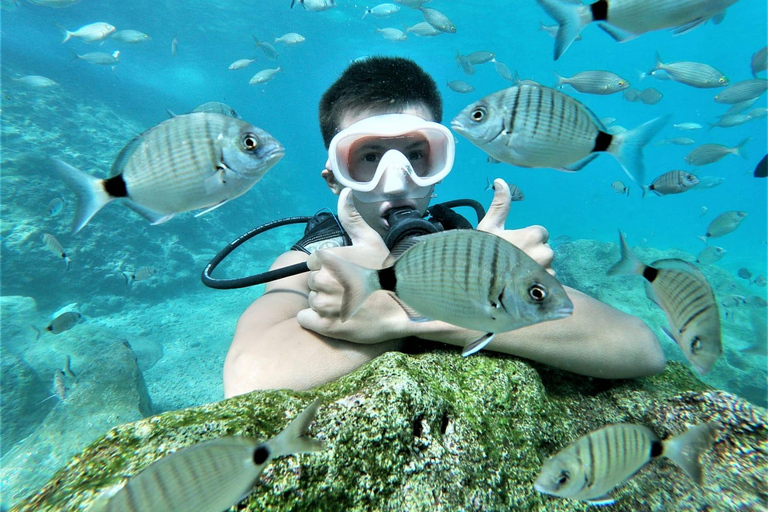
442, 432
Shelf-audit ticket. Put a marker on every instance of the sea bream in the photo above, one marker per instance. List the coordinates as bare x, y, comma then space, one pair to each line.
627, 19
467, 278
672, 182
695, 74
207, 477
529, 125
724, 224
683, 293
189, 162
592, 466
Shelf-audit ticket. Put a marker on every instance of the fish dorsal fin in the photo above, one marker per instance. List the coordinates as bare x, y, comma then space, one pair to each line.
679, 265
399, 249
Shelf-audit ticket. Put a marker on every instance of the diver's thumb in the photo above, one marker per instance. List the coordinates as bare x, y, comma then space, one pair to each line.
353, 223
496, 217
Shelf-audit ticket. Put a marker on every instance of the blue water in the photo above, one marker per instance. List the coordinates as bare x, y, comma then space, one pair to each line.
148, 80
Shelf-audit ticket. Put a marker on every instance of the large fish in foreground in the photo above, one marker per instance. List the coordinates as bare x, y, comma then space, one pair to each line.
627, 19
683, 293
210, 476
592, 466
464, 277
192, 161
530, 125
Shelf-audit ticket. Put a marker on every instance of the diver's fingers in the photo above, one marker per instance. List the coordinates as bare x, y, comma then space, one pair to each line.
496, 217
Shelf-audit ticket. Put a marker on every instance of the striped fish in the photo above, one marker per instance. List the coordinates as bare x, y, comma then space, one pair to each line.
207, 477
192, 161
438, 20
724, 224
53, 245
64, 322
672, 182
743, 91
530, 125
682, 292
627, 19
694, 74
467, 278
711, 153
594, 82
759, 62
592, 466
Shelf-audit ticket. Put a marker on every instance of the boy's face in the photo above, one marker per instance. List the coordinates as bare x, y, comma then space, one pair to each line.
404, 193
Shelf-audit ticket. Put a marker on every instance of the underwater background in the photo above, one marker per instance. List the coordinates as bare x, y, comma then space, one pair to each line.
178, 329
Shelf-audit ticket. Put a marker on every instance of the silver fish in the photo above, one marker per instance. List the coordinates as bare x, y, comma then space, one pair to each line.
493, 287
480, 57
217, 107
760, 281
672, 182
710, 182
210, 476
758, 113
466, 66
392, 34
315, 5
743, 91
139, 275
504, 72
710, 254
290, 39
620, 188
100, 58
191, 161
682, 292
687, 126
382, 10
530, 125
130, 36
744, 273
267, 49
265, 75
59, 386
90, 33
438, 20
724, 224
241, 63
738, 108
423, 29
678, 141
64, 322
594, 82
35, 81
55, 206
592, 466
460, 86
650, 96
626, 19
632, 94
731, 120
759, 62
56, 248
694, 74
711, 153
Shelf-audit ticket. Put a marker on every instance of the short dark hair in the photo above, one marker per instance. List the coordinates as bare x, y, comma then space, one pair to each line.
388, 83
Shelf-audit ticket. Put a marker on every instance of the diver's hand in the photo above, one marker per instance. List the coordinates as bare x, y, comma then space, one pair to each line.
380, 318
531, 240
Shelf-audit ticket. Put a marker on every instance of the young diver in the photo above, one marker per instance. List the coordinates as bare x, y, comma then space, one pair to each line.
293, 335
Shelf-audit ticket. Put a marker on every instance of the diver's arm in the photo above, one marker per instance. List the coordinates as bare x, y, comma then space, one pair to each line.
270, 350
597, 341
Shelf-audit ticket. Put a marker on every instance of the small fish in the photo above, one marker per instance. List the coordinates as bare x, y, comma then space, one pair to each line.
315, 5
672, 182
56, 248
694, 74
650, 96
738, 108
495, 287
130, 36
91, 33
592, 466
466, 66
759, 61
217, 107
64, 322
761, 169
755, 301
515, 194
627, 19
188, 162
59, 386
174, 47
68, 367
438, 20
267, 49
743, 91
382, 10
263, 76
682, 292
55, 206
711, 153
480, 57
423, 29
710, 254
724, 224
594, 82
760, 281
100, 58
460, 86
392, 34
687, 126
290, 39
710, 182
35, 81
678, 141
758, 113
744, 273
241, 63
139, 275
732, 301
703, 211
524, 126
731, 120
209, 476
504, 71
620, 188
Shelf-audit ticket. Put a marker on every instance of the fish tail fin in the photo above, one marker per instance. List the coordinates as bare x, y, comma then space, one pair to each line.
560, 80
91, 196
703, 238
685, 449
645, 188
629, 262
293, 438
66, 33
658, 64
359, 282
740, 148
628, 147
571, 17
37, 332
366, 13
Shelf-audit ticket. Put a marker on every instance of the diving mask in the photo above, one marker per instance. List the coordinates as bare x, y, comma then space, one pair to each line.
391, 155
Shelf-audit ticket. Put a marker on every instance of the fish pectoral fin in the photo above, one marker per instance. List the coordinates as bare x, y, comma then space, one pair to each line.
413, 315
601, 500
684, 29
668, 333
718, 18
580, 164
211, 208
616, 33
152, 216
478, 344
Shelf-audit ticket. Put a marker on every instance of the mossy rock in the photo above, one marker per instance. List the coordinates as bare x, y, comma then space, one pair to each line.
441, 432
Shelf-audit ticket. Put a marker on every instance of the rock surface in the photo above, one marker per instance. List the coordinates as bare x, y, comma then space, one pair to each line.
441, 432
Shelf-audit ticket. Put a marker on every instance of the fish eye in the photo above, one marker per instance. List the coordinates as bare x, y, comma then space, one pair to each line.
721, 79
563, 478
250, 141
478, 114
695, 344
621, 82
537, 292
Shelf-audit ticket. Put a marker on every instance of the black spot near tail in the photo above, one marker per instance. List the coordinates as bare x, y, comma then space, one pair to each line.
650, 273
599, 10
387, 279
603, 141
260, 455
657, 448
115, 186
